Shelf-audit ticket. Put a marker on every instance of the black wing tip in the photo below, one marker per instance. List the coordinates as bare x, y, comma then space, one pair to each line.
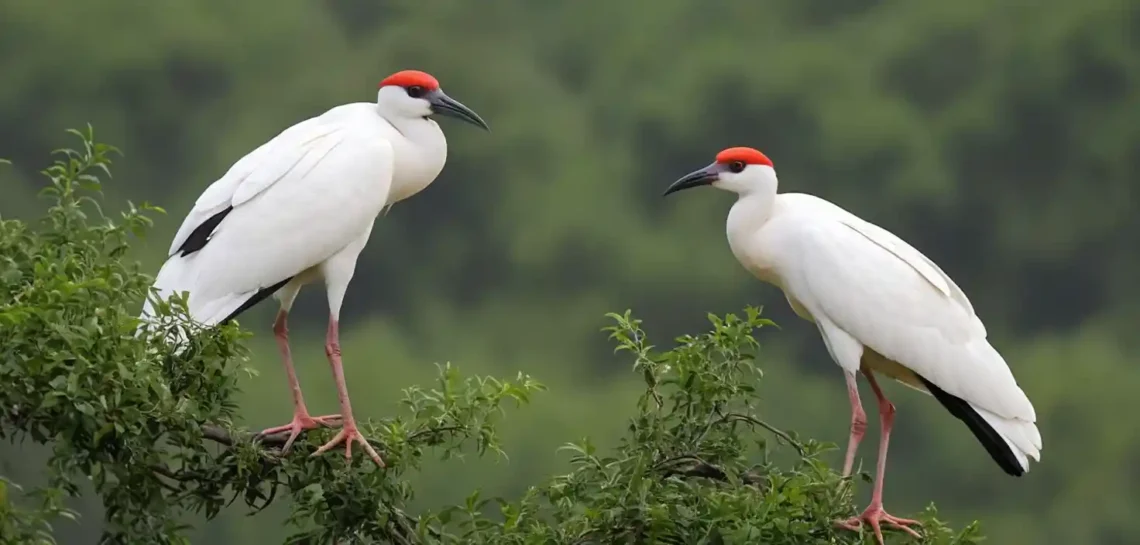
261, 295
990, 439
201, 234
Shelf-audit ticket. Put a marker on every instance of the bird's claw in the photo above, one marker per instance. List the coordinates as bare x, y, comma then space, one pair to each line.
348, 435
300, 423
873, 517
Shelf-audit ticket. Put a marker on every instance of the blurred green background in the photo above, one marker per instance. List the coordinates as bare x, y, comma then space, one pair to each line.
1000, 138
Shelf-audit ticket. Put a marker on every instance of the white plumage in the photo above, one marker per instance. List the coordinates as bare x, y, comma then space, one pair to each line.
297, 201
880, 306
300, 208
863, 286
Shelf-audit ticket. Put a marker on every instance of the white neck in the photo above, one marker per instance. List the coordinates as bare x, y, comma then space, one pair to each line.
750, 212
756, 195
756, 200
421, 151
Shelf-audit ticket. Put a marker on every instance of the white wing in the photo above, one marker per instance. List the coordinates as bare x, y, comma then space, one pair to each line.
888, 241
887, 296
253, 173
296, 201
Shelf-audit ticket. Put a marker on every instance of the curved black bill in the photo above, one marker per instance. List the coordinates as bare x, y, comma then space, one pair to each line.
445, 105
697, 178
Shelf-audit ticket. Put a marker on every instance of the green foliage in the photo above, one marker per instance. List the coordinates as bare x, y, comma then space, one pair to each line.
112, 405
999, 139
694, 466
30, 526
360, 504
153, 429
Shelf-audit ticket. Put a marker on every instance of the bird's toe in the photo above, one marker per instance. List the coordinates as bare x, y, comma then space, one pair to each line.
336, 440
329, 420
299, 424
371, 451
875, 517
901, 524
348, 436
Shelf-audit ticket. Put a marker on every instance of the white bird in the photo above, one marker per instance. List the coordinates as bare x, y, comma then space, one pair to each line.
881, 306
300, 208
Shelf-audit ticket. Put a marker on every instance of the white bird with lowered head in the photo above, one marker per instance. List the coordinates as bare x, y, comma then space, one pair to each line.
299, 209
881, 307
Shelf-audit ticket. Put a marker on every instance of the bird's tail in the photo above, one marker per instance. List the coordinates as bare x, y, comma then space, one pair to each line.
172, 278
179, 274
1009, 441
1020, 436
1019, 431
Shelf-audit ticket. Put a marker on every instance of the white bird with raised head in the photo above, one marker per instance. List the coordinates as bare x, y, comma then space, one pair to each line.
881, 307
299, 209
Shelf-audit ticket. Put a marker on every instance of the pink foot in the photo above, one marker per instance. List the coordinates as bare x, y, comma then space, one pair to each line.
875, 515
300, 423
348, 435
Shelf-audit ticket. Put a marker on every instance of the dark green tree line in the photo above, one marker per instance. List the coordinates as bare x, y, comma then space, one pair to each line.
998, 139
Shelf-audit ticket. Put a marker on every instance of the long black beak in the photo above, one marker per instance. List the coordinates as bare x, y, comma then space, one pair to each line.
445, 105
697, 178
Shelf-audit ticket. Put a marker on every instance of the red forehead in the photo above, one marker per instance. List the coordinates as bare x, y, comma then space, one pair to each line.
411, 78
747, 156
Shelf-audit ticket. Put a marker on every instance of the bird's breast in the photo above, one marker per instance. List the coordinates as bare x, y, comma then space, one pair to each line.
410, 181
749, 249
421, 152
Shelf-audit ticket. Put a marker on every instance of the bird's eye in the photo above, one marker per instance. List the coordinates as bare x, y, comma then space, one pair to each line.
736, 166
415, 91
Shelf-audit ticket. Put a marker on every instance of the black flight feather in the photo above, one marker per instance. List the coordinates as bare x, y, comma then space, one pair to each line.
993, 442
258, 297
201, 234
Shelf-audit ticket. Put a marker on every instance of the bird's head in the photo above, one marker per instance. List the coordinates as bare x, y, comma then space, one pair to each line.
416, 94
739, 170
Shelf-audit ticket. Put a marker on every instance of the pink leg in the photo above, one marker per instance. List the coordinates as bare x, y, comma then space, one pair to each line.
349, 433
874, 514
301, 419
858, 424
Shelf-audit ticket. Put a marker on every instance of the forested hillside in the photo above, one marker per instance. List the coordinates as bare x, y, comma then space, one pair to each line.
999, 138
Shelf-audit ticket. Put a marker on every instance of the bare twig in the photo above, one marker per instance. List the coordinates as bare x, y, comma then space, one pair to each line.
432, 431
676, 459
708, 471
221, 436
404, 527
708, 426
166, 472
691, 465
217, 435
181, 476
757, 422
